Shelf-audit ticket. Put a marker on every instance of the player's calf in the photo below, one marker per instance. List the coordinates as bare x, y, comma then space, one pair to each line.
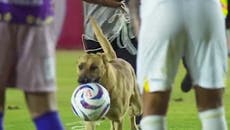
155, 108
210, 106
45, 115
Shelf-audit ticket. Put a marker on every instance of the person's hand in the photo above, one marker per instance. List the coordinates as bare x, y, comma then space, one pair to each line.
109, 3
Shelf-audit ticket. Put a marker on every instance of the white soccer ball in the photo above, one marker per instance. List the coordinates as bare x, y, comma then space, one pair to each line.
90, 101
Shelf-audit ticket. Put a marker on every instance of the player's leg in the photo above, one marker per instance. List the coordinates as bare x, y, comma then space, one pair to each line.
2, 102
7, 65
159, 52
43, 109
211, 110
186, 84
155, 108
36, 75
2, 93
209, 64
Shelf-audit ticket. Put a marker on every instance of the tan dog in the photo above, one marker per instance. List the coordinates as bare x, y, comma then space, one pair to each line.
117, 76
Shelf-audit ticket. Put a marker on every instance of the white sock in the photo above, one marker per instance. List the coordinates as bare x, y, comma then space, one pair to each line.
154, 122
213, 119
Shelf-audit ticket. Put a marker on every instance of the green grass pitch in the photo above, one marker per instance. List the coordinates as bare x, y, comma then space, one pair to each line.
182, 114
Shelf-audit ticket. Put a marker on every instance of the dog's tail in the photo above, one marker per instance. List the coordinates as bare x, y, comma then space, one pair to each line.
103, 41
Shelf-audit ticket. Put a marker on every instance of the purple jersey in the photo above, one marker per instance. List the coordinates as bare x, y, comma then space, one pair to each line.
32, 12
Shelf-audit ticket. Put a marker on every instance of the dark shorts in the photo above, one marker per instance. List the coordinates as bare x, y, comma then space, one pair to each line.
121, 52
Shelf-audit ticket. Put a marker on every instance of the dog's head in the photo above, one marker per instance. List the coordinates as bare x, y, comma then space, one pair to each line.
91, 68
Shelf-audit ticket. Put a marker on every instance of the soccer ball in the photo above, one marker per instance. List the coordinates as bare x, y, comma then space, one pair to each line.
90, 101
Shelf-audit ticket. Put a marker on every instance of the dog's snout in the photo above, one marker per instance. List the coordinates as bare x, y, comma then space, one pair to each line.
84, 79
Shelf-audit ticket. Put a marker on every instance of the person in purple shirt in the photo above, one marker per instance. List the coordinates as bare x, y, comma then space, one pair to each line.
27, 58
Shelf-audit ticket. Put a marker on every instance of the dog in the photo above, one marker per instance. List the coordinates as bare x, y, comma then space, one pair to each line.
117, 76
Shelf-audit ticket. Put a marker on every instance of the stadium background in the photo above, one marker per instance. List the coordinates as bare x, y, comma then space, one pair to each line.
182, 114
70, 37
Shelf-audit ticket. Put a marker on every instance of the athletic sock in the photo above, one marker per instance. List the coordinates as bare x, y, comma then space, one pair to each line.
213, 119
48, 121
154, 122
1, 121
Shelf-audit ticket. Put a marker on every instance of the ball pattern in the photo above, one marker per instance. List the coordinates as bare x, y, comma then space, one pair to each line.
90, 101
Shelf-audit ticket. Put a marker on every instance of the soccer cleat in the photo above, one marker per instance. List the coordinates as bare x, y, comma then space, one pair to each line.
186, 84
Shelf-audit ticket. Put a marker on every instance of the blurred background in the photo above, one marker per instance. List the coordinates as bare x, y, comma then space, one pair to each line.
70, 13
182, 114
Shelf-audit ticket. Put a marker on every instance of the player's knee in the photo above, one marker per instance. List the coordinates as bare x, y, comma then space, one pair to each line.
40, 103
208, 98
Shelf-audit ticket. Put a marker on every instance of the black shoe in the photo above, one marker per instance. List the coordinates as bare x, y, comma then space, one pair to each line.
186, 84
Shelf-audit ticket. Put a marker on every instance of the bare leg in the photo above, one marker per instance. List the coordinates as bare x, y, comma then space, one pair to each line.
208, 99
155, 108
43, 109
155, 103
2, 99
211, 110
46, 101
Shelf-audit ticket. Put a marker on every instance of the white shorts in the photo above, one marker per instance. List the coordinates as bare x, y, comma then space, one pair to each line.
171, 29
27, 57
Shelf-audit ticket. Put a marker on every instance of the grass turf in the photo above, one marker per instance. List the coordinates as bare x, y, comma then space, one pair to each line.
182, 114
